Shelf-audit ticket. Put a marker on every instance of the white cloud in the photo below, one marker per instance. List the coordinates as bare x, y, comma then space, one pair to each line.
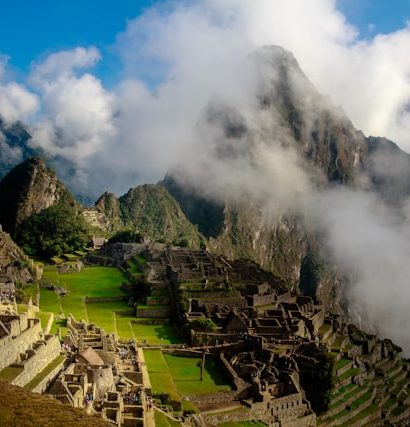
63, 64
16, 102
77, 110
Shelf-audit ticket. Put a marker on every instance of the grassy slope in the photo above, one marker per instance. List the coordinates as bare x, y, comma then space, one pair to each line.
186, 375
20, 408
170, 373
114, 317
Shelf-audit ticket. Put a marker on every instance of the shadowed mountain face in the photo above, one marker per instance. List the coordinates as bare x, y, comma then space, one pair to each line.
28, 189
14, 146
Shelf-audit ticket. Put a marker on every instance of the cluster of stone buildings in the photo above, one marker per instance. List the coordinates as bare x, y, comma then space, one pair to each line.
26, 353
104, 376
274, 344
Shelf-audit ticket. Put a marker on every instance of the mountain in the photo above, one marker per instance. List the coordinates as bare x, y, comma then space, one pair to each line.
152, 211
14, 146
28, 189
39, 212
176, 212
14, 264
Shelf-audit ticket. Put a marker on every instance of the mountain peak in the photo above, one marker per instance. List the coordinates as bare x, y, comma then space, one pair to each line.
27, 189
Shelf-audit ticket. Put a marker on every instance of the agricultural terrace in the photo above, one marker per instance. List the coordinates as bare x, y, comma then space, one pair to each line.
180, 376
113, 316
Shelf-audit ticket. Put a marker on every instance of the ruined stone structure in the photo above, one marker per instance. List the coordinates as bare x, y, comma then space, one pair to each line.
25, 352
282, 351
105, 376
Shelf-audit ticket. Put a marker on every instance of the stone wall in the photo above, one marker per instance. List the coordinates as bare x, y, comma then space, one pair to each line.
104, 299
10, 348
153, 311
42, 386
263, 299
41, 357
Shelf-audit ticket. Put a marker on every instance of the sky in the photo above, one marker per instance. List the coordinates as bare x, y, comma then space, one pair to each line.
30, 30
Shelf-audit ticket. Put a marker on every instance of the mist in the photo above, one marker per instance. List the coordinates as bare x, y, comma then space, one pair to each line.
197, 98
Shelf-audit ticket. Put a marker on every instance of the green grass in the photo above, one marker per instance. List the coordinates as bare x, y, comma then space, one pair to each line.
155, 361
186, 375
60, 323
349, 373
343, 390
114, 317
162, 420
159, 374
362, 414
340, 364
156, 334
49, 301
9, 373
399, 410
354, 405
44, 317
91, 281
21, 308
39, 377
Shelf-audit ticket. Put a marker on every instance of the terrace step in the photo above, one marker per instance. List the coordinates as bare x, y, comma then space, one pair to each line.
369, 416
346, 378
348, 398
394, 371
342, 366
345, 416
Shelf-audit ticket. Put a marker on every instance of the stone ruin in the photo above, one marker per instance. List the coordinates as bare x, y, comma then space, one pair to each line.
275, 345
26, 352
104, 375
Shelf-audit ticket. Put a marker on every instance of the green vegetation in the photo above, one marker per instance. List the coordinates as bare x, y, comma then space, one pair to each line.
185, 372
8, 374
54, 231
203, 324
44, 317
126, 236
155, 334
180, 376
159, 374
340, 364
348, 374
318, 382
157, 215
161, 420
112, 316
311, 272
49, 368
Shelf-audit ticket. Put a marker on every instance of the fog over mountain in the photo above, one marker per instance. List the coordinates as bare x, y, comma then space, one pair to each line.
212, 114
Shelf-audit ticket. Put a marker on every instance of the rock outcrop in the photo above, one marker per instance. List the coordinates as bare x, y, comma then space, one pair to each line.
15, 266
26, 190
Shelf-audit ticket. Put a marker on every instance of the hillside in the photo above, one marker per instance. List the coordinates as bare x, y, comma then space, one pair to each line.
28, 189
20, 408
152, 211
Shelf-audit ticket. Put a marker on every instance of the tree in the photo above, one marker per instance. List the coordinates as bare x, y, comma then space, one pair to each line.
311, 272
53, 231
204, 325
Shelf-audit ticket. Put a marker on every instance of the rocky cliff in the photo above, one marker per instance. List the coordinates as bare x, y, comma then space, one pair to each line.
15, 266
28, 189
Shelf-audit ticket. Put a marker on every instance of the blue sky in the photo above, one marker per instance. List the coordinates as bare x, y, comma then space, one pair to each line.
376, 16
30, 30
